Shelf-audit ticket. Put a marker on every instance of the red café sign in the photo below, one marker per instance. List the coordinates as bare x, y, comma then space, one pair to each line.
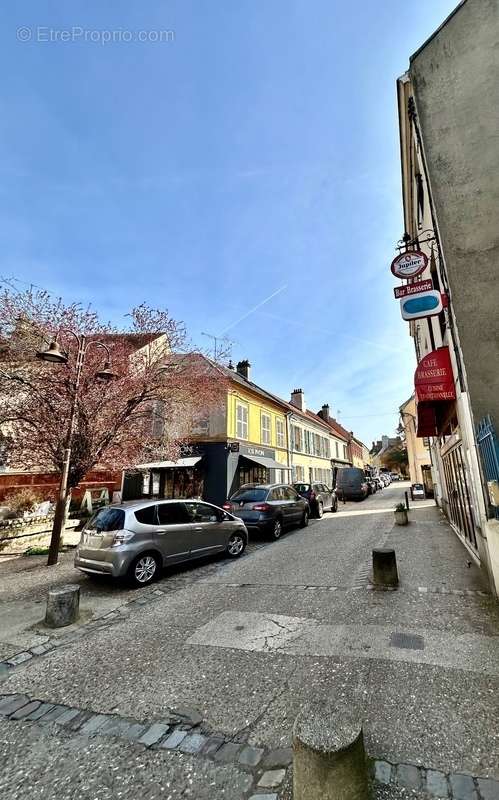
433, 379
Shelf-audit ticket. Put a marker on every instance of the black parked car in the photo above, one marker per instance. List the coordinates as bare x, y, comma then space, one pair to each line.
269, 507
351, 483
320, 497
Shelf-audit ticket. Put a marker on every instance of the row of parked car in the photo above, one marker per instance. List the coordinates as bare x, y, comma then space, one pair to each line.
353, 483
135, 540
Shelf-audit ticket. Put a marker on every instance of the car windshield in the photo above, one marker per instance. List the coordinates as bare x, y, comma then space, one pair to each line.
107, 519
301, 487
249, 495
418, 485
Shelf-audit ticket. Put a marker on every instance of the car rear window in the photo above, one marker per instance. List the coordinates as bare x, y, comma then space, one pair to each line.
107, 519
301, 487
349, 474
250, 495
418, 486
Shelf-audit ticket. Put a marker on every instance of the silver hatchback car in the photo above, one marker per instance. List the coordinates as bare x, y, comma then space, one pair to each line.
136, 539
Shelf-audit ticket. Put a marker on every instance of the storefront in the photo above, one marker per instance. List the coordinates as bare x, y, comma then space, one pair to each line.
183, 478
213, 472
437, 417
254, 464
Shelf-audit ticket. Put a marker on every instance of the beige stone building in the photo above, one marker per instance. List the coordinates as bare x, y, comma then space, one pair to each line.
448, 103
418, 452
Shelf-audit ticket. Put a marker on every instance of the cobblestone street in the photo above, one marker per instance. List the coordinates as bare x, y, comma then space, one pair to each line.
190, 688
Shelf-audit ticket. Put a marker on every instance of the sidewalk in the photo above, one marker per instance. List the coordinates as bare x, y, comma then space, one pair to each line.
244, 645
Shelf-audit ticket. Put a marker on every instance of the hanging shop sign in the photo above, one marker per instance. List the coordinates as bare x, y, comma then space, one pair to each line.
434, 379
409, 264
413, 288
423, 304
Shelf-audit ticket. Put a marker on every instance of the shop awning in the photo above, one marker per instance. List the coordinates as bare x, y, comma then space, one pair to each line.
182, 462
426, 423
269, 463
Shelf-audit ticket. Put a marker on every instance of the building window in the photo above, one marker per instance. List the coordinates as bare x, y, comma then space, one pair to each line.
297, 439
337, 450
265, 428
307, 442
345, 456
279, 432
241, 421
299, 473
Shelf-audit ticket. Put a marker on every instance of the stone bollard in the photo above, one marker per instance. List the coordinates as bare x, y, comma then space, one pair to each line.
329, 761
63, 605
385, 567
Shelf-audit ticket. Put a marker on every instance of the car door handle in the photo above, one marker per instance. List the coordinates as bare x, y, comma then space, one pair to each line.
198, 528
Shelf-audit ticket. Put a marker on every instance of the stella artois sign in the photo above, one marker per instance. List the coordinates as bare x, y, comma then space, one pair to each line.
409, 264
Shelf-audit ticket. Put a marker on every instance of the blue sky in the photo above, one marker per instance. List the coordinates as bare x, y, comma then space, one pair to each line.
256, 154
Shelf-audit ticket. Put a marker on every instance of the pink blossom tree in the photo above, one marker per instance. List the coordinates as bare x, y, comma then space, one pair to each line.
159, 388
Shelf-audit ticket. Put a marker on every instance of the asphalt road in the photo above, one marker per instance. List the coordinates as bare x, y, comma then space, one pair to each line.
248, 644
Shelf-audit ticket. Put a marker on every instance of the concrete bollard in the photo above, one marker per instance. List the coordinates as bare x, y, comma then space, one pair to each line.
385, 567
329, 760
63, 605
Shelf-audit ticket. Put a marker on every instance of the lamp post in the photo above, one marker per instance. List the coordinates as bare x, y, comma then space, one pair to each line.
55, 355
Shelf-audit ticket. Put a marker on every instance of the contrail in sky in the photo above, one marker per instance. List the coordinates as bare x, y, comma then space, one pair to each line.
255, 308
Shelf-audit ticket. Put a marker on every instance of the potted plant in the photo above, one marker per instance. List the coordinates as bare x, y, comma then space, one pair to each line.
401, 517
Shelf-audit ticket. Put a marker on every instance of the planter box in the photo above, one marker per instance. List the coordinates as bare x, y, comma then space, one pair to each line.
401, 518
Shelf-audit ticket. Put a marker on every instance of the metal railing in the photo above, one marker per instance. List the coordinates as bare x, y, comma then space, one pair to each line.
488, 445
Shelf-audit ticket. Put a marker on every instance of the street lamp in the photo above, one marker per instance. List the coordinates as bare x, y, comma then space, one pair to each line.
55, 355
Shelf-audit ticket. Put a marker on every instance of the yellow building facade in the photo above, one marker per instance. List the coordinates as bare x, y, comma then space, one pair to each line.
253, 420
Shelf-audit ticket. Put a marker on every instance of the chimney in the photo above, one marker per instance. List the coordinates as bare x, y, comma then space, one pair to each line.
230, 365
243, 369
298, 399
324, 413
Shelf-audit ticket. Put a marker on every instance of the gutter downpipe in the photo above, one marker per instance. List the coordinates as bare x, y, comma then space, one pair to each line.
288, 416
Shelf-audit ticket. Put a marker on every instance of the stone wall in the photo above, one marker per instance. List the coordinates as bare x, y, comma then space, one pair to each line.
18, 535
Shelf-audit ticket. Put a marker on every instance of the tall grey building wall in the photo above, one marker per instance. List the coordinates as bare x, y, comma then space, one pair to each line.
456, 86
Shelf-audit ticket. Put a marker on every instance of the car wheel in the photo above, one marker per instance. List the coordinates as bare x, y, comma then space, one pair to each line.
236, 545
320, 510
277, 529
304, 519
143, 569
335, 507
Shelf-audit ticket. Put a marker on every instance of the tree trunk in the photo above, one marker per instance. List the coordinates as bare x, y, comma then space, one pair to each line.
60, 516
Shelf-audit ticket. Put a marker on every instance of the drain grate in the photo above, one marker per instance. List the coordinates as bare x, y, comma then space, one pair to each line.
407, 641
